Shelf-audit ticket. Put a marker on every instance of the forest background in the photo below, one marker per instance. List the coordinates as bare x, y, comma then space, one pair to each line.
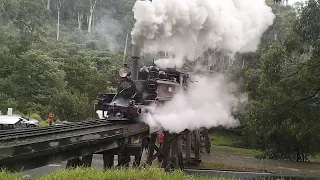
57, 55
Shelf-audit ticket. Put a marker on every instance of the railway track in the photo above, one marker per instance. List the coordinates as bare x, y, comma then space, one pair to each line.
12, 135
36, 147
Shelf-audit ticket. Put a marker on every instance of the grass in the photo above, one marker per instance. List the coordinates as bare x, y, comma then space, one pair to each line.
121, 174
224, 139
240, 151
316, 158
228, 142
44, 123
7, 176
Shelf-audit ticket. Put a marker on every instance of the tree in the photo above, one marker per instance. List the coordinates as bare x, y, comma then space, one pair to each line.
283, 116
36, 78
71, 106
30, 19
90, 18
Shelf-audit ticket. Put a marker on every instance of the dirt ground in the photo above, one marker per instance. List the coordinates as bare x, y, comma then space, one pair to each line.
272, 166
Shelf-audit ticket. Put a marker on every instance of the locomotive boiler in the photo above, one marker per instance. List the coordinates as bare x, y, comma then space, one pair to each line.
138, 89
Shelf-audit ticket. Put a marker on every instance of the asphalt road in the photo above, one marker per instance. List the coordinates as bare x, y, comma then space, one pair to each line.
244, 175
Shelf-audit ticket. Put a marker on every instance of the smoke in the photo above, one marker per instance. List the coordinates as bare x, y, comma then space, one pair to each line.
109, 29
207, 103
187, 28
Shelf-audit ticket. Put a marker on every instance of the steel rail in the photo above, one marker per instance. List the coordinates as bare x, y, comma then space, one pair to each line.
63, 137
50, 128
39, 153
38, 129
45, 132
24, 130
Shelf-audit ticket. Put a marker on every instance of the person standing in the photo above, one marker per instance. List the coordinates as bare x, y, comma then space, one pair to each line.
160, 139
51, 116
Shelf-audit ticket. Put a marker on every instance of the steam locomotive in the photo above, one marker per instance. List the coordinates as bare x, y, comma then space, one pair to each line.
138, 89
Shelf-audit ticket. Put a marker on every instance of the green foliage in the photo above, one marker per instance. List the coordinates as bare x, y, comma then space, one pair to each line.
39, 74
119, 174
8, 176
282, 118
230, 144
37, 79
35, 116
44, 123
71, 106
224, 139
123, 174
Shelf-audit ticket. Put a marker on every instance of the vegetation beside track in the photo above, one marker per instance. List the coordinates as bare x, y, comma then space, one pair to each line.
121, 174
232, 144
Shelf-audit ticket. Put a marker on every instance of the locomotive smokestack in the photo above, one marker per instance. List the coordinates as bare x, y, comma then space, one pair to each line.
136, 55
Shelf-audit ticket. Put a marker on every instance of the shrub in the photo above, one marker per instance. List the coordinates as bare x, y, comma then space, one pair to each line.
35, 116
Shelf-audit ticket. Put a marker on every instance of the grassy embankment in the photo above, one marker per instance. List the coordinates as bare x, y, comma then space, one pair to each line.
228, 143
122, 174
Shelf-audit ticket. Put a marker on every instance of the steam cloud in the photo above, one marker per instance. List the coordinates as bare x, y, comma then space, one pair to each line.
109, 29
207, 103
187, 28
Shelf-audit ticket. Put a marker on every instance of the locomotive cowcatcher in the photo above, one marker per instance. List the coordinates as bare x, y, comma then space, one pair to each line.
138, 89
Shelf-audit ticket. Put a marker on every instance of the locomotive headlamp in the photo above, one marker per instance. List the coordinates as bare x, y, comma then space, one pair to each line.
124, 71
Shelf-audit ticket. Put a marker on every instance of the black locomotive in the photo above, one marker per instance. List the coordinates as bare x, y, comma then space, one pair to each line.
138, 89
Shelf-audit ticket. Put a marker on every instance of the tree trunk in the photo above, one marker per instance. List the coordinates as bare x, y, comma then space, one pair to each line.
58, 23
93, 21
48, 4
79, 20
92, 6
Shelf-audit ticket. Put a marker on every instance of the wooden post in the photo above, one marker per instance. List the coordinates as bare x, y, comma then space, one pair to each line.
123, 159
179, 153
188, 146
166, 153
87, 160
137, 158
207, 142
173, 155
73, 163
163, 148
151, 147
107, 160
196, 145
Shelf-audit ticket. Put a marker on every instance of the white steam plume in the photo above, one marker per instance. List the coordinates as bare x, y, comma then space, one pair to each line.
187, 28
207, 103
109, 29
